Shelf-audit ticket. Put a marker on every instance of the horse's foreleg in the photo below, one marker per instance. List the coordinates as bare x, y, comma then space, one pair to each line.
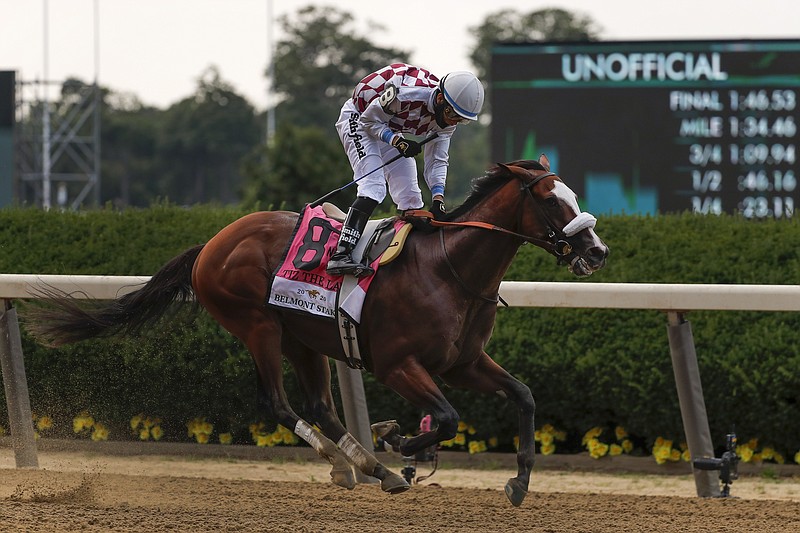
314, 375
411, 381
484, 375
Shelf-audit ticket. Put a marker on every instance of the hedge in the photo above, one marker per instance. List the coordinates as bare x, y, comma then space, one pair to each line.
586, 367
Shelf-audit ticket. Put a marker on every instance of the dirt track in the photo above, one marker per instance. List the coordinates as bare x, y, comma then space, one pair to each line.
79, 491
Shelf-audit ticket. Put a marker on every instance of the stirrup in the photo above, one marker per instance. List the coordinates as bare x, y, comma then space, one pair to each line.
348, 267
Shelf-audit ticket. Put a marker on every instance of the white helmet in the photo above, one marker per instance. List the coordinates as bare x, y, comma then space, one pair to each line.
464, 92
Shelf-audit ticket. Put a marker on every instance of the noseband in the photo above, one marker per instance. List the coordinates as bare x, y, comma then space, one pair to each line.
556, 241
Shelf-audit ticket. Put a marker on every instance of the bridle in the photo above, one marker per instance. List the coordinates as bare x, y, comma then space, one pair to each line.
556, 242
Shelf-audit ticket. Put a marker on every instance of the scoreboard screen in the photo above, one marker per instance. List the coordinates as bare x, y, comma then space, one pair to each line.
656, 126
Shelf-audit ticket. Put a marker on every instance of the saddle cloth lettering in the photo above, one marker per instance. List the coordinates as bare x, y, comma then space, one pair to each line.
301, 283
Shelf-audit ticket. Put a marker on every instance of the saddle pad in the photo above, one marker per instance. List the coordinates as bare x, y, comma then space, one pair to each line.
301, 283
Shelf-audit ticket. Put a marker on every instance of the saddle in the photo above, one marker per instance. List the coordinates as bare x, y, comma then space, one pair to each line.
378, 240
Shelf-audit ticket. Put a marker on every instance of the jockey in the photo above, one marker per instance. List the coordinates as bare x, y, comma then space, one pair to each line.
399, 99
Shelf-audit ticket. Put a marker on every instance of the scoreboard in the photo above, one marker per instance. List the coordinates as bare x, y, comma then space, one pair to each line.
656, 126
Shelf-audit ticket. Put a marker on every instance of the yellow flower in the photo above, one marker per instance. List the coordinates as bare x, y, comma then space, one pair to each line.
561, 435
686, 456
2, 431
477, 446
546, 438
516, 445
201, 438
100, 433
225, 438
752, 444
615, 450
547, 449
662, 453
767, 453
675, 455
44, 423
144, 434
135, 421
797, 457
598, 449
462, 426
461, 439
627, 446
620, 432
778, 458
449, 442
548, 428
591, 434
264, 440
745, 453
82, 421
493, 442
156, 432
537, 435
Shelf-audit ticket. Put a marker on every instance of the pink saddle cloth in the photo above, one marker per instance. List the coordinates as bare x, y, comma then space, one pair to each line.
301, 283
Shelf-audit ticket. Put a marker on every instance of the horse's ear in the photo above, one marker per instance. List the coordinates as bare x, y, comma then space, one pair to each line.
544, 162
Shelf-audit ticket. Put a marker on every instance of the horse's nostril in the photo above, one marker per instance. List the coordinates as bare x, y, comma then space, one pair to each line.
598, 253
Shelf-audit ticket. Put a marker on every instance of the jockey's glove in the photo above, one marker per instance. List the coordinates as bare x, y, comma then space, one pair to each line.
407, 147
438, 210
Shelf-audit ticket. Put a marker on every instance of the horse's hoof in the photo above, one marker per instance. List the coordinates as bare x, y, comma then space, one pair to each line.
515, 492
343, 477
394, 484
385, 428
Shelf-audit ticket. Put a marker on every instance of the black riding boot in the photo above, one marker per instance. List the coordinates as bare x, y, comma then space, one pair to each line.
341, 262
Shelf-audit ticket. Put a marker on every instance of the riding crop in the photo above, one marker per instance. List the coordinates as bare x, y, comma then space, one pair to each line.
334, 192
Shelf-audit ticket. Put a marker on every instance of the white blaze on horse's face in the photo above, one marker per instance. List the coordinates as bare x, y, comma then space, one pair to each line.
581, 221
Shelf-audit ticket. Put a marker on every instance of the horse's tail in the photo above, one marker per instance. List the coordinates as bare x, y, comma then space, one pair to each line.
63, 321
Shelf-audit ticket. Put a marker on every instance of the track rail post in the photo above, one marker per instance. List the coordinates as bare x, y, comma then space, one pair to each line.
23, 439
690, 396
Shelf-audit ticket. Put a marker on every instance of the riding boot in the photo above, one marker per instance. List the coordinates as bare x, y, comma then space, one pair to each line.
341, 262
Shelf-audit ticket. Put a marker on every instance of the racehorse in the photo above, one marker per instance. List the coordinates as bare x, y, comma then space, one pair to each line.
444, 282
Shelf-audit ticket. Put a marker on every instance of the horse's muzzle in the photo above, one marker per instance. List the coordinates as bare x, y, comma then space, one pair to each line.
593, 260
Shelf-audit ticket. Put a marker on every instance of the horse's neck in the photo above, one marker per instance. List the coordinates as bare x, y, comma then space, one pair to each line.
481, 256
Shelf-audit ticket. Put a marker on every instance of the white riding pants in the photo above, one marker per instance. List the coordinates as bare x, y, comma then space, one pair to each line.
367, 153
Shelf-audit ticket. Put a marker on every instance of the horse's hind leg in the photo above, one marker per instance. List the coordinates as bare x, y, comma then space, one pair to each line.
487, 376
260, 330
314, 375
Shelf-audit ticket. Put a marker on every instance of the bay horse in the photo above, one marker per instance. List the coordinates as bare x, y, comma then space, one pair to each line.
430, 312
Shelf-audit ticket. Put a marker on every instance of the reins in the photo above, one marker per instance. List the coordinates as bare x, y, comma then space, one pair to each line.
557, 244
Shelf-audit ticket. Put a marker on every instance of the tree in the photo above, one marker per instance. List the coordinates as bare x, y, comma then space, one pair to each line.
299, 166
203, 140
543, 25
319, 63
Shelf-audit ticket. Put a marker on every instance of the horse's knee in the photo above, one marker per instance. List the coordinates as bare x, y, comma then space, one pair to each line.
523, 397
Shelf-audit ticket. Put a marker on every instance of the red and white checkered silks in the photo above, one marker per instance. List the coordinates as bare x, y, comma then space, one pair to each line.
415, 86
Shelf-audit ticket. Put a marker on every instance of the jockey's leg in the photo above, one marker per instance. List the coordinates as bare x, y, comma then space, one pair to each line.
341, 261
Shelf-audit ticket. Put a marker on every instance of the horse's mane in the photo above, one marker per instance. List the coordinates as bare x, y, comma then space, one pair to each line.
484, 185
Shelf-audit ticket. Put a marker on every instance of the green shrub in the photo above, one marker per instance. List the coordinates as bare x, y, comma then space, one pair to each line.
586, 367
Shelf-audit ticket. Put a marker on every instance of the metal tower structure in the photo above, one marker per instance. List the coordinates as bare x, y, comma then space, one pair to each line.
58, 144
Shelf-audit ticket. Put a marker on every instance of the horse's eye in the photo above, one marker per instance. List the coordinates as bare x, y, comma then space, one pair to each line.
551, 201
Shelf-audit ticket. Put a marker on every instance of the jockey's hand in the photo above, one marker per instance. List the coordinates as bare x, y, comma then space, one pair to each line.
438, 210
407, 147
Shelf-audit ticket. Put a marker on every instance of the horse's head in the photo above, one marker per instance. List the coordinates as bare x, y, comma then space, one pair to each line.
551, 216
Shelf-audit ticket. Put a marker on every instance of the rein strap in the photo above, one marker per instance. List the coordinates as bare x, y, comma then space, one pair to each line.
421, 213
